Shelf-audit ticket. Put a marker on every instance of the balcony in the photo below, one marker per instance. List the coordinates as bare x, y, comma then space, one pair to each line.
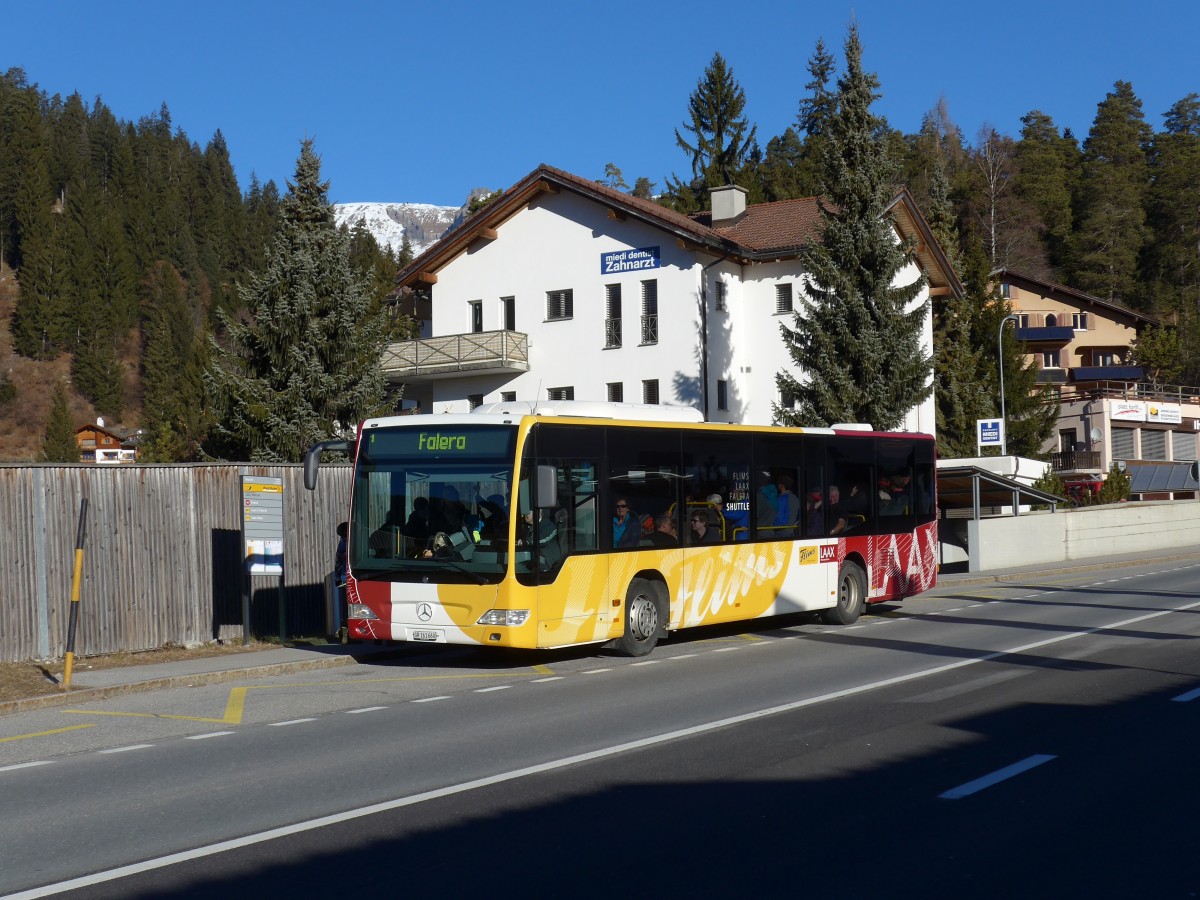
1076, 461
456, 355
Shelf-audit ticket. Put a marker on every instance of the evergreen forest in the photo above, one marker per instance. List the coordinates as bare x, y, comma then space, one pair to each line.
131, 262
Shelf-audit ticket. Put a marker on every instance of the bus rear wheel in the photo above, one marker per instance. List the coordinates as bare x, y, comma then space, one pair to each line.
851, 595
643, 618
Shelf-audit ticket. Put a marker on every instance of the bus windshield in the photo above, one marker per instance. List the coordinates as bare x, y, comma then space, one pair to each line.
432, 504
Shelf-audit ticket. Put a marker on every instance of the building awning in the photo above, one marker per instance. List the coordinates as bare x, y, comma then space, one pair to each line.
970, 487
1057, 335
1108, 373
1161, 478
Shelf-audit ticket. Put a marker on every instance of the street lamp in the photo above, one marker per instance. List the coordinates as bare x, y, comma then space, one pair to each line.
1000, 352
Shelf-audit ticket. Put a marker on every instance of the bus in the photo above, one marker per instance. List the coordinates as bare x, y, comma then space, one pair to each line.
549, 525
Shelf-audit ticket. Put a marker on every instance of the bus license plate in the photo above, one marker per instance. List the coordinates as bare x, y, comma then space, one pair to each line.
427, 635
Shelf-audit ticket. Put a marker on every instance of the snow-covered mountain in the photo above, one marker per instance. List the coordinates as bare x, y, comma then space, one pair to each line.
424, 223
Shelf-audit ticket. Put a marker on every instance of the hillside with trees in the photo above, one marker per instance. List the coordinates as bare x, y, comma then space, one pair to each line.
125, 249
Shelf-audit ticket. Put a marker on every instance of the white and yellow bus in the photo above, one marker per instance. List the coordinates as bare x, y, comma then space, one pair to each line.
557, 524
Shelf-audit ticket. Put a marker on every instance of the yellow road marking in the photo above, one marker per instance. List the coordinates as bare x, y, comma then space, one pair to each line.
37, 734
235, 706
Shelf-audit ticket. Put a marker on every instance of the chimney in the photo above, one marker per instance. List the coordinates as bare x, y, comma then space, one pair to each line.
99, 421
728, 204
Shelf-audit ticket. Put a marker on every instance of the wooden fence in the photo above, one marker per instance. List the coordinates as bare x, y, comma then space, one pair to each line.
162, 560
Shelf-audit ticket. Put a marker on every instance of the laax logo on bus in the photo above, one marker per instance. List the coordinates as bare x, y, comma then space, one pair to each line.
437, 441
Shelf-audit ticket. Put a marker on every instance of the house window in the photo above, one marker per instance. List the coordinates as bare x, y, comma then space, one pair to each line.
1051, 320
783, 298
1154, 444
1006, 293
719, 295
1122, 443
508, 313
1105, 358
560, 393
722, 395
559, 304
650, 312
616, 392
1183, 445
787, 400
650, 391
1022, 320
476, 400
612, 312
1050, 360
476, 312
508, 396
1079, 321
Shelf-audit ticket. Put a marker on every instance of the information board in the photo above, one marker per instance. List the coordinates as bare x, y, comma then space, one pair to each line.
262, 524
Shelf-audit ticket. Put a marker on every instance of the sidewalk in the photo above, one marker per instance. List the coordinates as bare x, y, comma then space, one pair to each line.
101, 683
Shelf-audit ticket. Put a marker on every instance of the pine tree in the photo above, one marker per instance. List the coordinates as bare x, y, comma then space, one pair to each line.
817, 111
1045, 184
1171, 261
174, 413
780, 171
961, 362
721, 136
857, 338
1112, 213
307, 366
59, 443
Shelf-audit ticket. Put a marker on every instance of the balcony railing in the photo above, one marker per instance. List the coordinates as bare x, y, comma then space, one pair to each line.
650, 329
1075, 461
612, 332
452, 355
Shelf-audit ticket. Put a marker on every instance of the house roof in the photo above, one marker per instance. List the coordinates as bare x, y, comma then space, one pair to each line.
766, 231
1050, 287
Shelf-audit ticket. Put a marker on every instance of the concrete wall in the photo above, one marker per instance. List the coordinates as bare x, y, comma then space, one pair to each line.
1043, 537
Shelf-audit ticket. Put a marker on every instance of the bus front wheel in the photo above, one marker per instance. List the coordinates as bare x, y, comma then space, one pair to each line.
643, 618
851, 595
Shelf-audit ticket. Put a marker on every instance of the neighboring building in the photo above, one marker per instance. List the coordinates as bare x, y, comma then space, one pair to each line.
565, 289
104, 445
1109, 413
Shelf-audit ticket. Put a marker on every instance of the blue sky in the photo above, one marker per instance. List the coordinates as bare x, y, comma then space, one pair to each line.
423, 101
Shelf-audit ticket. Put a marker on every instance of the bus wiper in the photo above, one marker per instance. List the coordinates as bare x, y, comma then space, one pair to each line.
479, 579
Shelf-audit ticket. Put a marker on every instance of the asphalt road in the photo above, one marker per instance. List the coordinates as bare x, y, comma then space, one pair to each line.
1030, 739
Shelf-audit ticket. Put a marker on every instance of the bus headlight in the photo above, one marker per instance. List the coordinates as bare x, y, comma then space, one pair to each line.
359, 611
513, 617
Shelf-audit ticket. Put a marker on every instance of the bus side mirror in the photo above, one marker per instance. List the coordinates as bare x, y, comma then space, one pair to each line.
547, 484
1194, 470
312, 458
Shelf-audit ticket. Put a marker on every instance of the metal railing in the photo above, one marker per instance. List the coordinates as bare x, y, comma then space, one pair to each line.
1075, 461
612, 332
1140, 390
650, 329
453, 353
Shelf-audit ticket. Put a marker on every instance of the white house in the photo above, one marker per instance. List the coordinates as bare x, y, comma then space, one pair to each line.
565, 289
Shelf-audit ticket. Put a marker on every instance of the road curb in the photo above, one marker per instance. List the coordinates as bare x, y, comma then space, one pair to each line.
951, 581
86, 695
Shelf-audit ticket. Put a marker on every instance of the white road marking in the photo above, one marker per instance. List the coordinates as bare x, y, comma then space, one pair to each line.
594, 671
124, 749
726, 649
495, 687
26, 765
1184, 698
201, 737
431, 699
292, 722
553, 765
646, 662
544, 680
365, 709
972, 787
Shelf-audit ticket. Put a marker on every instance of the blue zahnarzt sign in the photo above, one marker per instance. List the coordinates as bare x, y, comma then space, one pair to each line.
990, 432
629, 260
